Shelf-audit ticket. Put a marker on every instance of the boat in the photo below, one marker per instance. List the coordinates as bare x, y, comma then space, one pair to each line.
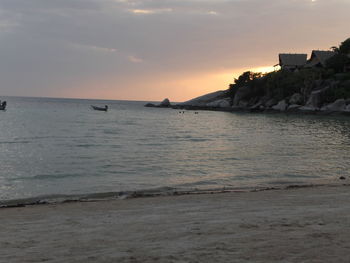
105, 108
3, 105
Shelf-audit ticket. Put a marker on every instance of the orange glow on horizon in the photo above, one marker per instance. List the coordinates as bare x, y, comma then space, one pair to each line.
155, 88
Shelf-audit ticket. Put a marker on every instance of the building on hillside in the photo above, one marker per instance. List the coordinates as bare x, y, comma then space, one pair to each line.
319, 58
292, 62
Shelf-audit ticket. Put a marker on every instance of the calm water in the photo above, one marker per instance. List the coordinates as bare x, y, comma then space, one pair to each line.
58, 146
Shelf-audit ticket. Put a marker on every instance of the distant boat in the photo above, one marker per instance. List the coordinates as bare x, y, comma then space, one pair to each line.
105, 108
3, 105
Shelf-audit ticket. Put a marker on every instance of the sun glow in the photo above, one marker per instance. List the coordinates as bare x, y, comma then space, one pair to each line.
177, 87
264, 69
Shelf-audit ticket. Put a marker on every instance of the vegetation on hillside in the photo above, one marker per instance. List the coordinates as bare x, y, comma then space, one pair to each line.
283, 84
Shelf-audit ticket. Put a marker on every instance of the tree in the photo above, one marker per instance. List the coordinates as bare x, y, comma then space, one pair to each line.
246, 77
341, 59
344, 47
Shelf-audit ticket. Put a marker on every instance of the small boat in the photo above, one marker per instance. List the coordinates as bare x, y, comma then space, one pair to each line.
105, 108
3, 105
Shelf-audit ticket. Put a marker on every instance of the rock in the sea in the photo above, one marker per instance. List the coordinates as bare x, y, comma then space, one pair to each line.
223, 103
281, 106
315, 100
307, 108
342, 178
150, 105
296, 98
165, 103
256, 106
293, 107
338, 105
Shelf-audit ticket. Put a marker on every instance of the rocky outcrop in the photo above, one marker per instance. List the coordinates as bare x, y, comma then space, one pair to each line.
150, 105
296, 98
293, 107
281, 106
337, 106
315, 100
202, 101
222, 103
269, 94
241, 94
164, 104
271, 102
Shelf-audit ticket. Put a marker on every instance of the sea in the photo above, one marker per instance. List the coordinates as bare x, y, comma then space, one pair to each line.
61, 149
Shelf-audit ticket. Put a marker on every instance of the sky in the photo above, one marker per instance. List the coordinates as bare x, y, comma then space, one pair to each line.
154, 49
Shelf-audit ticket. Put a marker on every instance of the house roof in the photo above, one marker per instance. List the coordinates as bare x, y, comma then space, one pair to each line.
292, 59
320, 56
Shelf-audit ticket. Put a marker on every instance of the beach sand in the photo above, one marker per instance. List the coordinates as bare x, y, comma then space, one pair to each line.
294, 225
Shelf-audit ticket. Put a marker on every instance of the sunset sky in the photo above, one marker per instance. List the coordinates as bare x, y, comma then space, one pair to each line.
152, 49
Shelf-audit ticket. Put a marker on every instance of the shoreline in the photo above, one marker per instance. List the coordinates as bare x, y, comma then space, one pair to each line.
57, 199
258, 111
295, 225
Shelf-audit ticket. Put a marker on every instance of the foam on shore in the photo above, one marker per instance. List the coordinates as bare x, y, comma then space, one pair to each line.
165, 191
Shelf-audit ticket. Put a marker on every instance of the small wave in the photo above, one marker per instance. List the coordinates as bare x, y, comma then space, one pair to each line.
87, 145
164, 191
15, 142
286, 182
53, 176
300, 176
113, 132
198, 184
199, 140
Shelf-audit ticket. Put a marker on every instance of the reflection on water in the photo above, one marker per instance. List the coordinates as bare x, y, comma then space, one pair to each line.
56, 146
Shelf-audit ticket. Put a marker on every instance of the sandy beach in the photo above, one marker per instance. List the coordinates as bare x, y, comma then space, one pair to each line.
294, 225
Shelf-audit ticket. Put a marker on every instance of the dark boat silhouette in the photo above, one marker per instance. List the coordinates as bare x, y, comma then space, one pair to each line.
105, 108
3, 105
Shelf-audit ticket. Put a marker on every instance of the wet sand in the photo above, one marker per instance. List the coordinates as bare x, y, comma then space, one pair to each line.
294, 225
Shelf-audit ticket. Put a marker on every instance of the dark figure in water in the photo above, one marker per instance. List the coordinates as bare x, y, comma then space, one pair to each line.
106, 107
3, 105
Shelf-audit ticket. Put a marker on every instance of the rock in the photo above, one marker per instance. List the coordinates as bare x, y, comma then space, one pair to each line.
165, 103
242, 104
202, 101
241, 94
342, 178
315, 100
338, 105
271, 102
293, 107
307, 108
222, 103
281, 106
256, 106
296, 98
347, 108
150, 105
260, 105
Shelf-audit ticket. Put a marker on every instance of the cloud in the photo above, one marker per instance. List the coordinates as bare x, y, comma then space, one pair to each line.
50, 44
93, 48
150, 11
134, 59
